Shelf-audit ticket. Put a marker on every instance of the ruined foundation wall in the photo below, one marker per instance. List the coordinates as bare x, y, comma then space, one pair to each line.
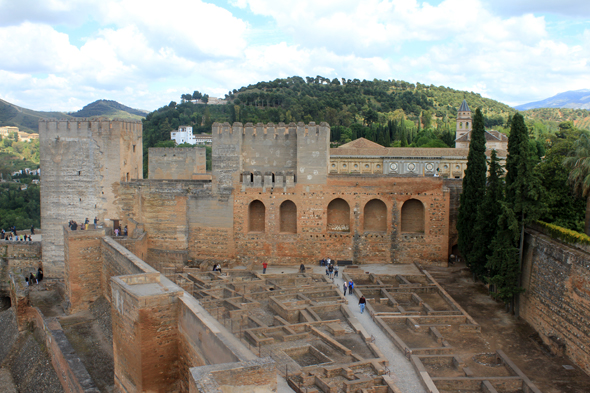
556, 301
20, 258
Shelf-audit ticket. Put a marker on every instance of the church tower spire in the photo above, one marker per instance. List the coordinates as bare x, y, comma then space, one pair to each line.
464, 123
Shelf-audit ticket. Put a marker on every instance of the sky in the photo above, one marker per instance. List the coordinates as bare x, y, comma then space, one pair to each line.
60, 55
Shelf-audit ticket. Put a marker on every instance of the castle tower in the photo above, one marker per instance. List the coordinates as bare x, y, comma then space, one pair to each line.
82, 163
464, 124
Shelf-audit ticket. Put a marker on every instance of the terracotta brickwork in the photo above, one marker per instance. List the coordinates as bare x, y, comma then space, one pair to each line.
556, 302
83, 267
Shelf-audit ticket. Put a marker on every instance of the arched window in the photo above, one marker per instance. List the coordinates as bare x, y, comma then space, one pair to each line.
338, 216
413, 216
461, 125
467, 125
288, 217
256, 216
375, 216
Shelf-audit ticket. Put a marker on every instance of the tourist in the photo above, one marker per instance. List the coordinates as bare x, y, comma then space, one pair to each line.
32, 278
95, 222
125, 231
116, 231
86, 223
362, 303
3, 234
335, 271
39, 275
344, 287
350, 287
264, 266
27, 280
322, 262
331, 270
302, 268
215, 267
32, 229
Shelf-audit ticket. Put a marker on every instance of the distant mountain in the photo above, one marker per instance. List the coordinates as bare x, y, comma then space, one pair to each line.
26, 120
575, 99
109, 109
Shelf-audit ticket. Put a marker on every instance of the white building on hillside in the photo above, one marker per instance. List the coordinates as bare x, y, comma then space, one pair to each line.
184, 134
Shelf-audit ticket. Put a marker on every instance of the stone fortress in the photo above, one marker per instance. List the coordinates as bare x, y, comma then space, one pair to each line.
276, 194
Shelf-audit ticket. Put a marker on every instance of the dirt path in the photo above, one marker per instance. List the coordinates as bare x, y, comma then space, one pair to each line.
514, 336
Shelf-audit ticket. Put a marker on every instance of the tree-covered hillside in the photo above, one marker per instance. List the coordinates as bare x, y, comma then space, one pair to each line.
109, 109
26, 120
392, 113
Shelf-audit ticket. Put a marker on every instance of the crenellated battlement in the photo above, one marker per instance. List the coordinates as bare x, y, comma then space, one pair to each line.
86, 126
271, 131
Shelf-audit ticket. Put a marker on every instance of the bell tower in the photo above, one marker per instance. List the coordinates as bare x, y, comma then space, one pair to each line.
464, 123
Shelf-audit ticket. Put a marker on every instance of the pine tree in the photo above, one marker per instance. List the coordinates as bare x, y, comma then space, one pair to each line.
474, 184
486, 225
503, 263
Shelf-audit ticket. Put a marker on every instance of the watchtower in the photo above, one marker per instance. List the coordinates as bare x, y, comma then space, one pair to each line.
83, 162
464, 122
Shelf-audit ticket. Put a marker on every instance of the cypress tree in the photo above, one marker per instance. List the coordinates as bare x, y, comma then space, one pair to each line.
474, 184
486, 225
503, 263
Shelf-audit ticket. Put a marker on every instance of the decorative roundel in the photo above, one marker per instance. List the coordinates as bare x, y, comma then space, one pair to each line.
378, 166
393, 166
429, 167
333, 165
343, 165
411, 166
457, 167
366, 165
356, 166
446, 167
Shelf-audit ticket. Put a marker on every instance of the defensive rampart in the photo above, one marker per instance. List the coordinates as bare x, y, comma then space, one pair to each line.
556, 301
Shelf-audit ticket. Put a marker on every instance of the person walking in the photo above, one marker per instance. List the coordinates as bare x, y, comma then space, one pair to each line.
264, 266
335, 271
331, 270
95, 222
32, 278
344, 287
350, 287
362, 303
32, 229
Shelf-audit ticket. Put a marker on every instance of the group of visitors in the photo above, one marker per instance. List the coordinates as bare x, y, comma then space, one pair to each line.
118, 231
85, 226
13, 236
348, 286
217, 268
331, 270
34, 278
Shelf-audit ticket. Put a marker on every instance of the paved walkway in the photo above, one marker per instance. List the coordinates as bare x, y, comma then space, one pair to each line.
402, 371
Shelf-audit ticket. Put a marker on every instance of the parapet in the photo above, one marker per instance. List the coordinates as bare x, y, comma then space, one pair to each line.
83, 126
269, 130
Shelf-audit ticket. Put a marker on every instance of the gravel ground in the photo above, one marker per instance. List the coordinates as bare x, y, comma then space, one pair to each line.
31, 368
8, 333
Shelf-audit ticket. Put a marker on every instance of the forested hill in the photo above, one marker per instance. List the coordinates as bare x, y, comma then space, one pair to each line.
351, 107
109, 109
26, 120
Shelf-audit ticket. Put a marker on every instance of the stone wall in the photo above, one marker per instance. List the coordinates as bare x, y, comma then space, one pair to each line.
176, 163
556, 301
83, 163
19, 258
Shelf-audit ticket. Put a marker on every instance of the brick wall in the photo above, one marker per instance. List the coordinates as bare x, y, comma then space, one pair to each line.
556, 302
83, 267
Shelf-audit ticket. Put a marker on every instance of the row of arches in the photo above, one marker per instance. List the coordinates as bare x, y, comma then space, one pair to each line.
338, 211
